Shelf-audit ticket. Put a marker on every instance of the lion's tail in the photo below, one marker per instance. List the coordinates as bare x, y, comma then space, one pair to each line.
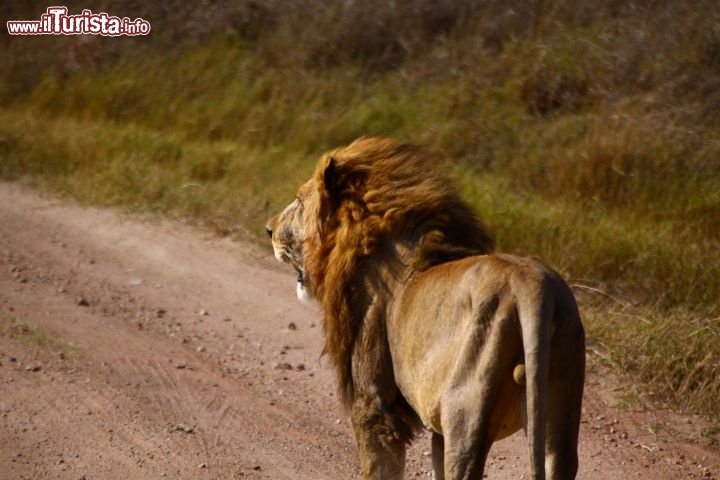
535, 321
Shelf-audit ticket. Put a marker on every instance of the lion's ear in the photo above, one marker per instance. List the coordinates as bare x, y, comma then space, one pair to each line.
335, 180
341, 180
330, 174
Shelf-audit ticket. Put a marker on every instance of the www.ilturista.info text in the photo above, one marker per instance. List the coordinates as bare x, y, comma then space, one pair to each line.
56, 21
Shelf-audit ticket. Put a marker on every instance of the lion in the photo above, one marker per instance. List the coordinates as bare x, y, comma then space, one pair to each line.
426, 326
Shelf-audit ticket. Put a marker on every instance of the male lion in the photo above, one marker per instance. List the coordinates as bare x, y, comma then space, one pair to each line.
424, 325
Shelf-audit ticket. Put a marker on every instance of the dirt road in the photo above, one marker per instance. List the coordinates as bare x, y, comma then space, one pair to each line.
163, 353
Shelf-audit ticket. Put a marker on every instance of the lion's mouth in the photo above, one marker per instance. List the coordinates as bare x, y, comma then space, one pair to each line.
287, 256
301, 289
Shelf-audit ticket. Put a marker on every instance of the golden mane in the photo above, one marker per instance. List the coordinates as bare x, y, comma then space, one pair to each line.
382, 212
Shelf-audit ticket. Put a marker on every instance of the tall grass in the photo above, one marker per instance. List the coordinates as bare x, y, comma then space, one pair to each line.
584, 133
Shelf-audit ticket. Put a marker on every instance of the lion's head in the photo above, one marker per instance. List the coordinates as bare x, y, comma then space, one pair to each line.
287, 233
372, 214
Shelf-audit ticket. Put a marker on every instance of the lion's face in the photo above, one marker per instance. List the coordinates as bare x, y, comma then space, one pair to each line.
288, 233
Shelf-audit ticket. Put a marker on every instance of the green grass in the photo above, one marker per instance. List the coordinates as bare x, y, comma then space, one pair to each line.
588, 137
32, 333
712, 432
627, 401
225, 185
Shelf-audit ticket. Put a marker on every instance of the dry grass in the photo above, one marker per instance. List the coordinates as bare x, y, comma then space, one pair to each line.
584, 133
673, 354
30, 332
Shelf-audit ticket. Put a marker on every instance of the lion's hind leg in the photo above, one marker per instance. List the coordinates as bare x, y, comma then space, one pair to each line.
475, 414
466, 433
438, 456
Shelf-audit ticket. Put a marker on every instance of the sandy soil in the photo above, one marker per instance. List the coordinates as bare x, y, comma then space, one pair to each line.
170, 354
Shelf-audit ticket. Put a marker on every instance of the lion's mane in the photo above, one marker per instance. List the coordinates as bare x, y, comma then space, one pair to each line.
382, 211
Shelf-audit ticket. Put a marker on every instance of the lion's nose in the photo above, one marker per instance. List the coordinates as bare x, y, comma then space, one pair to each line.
269, 231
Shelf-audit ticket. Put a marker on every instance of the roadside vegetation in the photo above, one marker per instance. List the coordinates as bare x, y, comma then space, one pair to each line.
585, 133
34, 334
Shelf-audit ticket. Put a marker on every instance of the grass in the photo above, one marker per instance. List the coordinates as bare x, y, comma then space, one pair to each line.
627, 401
671, 352
583, 133
32, 333
711, 432
102, 163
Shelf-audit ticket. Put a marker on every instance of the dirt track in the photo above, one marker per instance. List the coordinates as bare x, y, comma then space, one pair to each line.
154, 389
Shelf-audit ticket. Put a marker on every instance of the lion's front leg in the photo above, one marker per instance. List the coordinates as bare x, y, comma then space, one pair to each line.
381, 438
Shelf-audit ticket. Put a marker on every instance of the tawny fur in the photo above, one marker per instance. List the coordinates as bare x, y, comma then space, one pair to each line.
396, 214
423, 324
